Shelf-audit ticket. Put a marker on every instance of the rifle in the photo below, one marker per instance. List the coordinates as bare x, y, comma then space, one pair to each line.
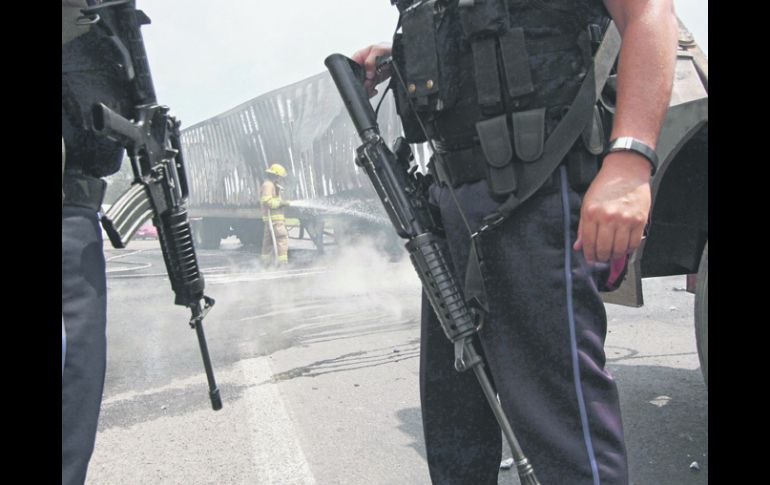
402, 192
159, 189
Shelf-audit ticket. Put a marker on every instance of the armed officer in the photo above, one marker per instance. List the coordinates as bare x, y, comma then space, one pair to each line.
491, 82
90, 73
275, 239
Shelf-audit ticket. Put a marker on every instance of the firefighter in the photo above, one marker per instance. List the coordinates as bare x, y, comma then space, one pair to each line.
275, 241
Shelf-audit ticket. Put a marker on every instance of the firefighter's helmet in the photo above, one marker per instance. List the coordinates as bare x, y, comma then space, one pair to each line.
277, 169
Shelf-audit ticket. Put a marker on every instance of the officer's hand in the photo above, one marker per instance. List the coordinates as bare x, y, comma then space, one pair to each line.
285, 202
367, 57
615, 208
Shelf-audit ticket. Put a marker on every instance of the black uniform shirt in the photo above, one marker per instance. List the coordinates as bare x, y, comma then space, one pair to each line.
558, 62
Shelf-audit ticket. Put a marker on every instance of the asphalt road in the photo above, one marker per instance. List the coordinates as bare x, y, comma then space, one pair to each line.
318, 371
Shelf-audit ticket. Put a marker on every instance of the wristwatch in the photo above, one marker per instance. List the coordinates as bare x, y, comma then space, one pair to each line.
627, 143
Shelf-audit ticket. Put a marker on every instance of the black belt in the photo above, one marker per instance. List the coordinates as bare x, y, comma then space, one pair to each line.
464, 166
461, 166
84, 191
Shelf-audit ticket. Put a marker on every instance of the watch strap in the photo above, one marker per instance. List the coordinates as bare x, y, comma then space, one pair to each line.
628, 143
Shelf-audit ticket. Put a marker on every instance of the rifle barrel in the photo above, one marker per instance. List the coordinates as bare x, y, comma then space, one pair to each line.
216, 400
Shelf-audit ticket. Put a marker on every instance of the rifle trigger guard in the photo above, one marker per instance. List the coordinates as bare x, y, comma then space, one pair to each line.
88, 19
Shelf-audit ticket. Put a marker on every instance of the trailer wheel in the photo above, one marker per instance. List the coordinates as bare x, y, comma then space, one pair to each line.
702, 313
206, 235
249, 233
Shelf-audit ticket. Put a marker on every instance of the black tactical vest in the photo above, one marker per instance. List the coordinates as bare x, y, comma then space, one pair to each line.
91, 74
465, 63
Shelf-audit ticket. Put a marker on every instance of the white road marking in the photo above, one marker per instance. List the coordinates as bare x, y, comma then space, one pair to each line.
281, 312
222, 279
131, 268
660, 401
135, 267
123, 255
276, 450
252, 440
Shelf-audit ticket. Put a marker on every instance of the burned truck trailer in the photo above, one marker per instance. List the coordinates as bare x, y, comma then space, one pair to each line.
303, 127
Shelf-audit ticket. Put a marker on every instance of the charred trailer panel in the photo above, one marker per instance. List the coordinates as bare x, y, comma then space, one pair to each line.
303, 127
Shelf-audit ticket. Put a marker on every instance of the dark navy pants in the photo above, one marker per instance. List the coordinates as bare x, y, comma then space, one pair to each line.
543, 343
84, 310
